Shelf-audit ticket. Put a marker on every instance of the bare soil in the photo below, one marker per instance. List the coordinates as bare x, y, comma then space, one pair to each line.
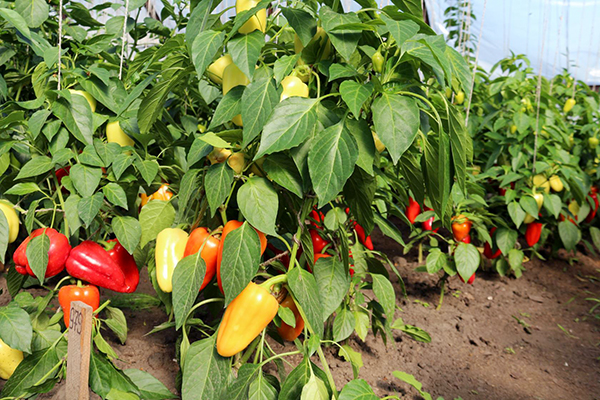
499, 338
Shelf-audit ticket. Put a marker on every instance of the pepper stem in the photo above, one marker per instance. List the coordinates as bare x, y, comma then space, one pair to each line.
102, 307
273, 281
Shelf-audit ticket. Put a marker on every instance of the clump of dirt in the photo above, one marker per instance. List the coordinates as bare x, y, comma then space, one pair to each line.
500, 338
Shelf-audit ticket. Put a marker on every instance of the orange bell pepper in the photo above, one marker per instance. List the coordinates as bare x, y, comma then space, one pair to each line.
285, 331
210, 251
163, 193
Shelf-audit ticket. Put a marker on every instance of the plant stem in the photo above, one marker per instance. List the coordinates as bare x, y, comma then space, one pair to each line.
441, 294
328, 372
62, 203
291, 353
274, 280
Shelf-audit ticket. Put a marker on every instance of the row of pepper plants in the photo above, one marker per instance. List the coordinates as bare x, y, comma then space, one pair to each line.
240, 164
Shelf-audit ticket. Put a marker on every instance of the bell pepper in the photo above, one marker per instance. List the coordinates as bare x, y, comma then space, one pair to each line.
245, 318
569, 104
461, 227
198, 238
533, 233
319, 218
293, 86
215, 70
232, 77
428, 225
487, 249
286, 331
12, 219
9, 360
114, 134
257, 21
58, 253
87, 294
377, 61
466, 239
61, 173
163, 193
556, 184
170, 248
112, 268
413, 210
540, 181
231, 226
592, 214
460, 97
237, 162
318, 242
470, 281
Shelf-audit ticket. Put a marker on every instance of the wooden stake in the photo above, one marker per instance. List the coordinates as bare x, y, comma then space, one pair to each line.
78, 359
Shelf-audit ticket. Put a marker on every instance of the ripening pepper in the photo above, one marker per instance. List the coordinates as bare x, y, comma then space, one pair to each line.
10, 359
487, 249
257, 21
215, 70
286, 331
378, 61
58, 253
170, 248
231, 226
87, 294
232, 77
592, 214
163, 193
413, 210
245, 318
569, 104
111, 268
202, 237
461, 227
114, 134
12, 218
293, 87
237, 162
318, 242
533, 233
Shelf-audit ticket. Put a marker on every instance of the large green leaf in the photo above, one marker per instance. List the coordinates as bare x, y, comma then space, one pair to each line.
333, 281
245, 51
204, 48
344, 40
89, 207
128, 231
396, 120
229, 106
187, 279
149, 387
35, 167
400, 30
152, 105
259, 203
154, 217
282, 169
355, 94
35, 369
217, 183
305, 290
35, 12
85, 179
258, 101
331, 161
15, 328
205, 372
76, 115
467, 260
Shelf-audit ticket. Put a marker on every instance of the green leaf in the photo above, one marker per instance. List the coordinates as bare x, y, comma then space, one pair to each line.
467, 259
36, 122
238, 389
21, 189
355, 94
117, 323
414, 332
360, 194
258, 101
396, 120
120, 164
245, 51
150, 388
259, 204
107, 151
104, 377
283, 66
115, 195
357, 389
85, 179
31, 371
35, 12
72, 212
242, 17
261, 389
205, 372
217, 183
333, 282
15, 327
241, 256
287, 316
553, 204
116, 394
187, 279
128, 231
204, 48
595, 234
282, 169
89, 207
337, 71
516, 213
515, 259
359, 129
152, 105
529, 205
411, 380
344, 40
343, 325
148, 169
400, 30
291, 123
154, 217
198, 151
331, 161
304, 23
215, 140
388, 229
76, 115
188, 189
435, 261
16, 20
460, 68
335, 219
306, 292
294, 383
315, 389
229, 106
569, 234
37, 255
384, 291
35, 167
506, 239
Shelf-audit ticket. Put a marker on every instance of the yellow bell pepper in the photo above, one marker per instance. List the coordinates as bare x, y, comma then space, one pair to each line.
556, 183
9, 360
293, 86
12, 218
569, 104
170, 246
460, 97
540, 181
237, 162
245, 318
216, 69
258, 20
114, 134
232, 77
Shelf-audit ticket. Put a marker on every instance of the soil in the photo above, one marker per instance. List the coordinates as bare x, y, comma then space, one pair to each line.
500, 338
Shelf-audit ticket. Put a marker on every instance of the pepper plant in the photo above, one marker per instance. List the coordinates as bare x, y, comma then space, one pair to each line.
242, 163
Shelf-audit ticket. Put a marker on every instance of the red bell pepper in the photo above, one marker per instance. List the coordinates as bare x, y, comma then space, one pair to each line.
533, 233
487, 249
198, 238
57, 254
592, 214
318, 216
87, 294
413, 210
470, 281
466, 239
61, 173
428, 225
365, 240
112, 268
318, 242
